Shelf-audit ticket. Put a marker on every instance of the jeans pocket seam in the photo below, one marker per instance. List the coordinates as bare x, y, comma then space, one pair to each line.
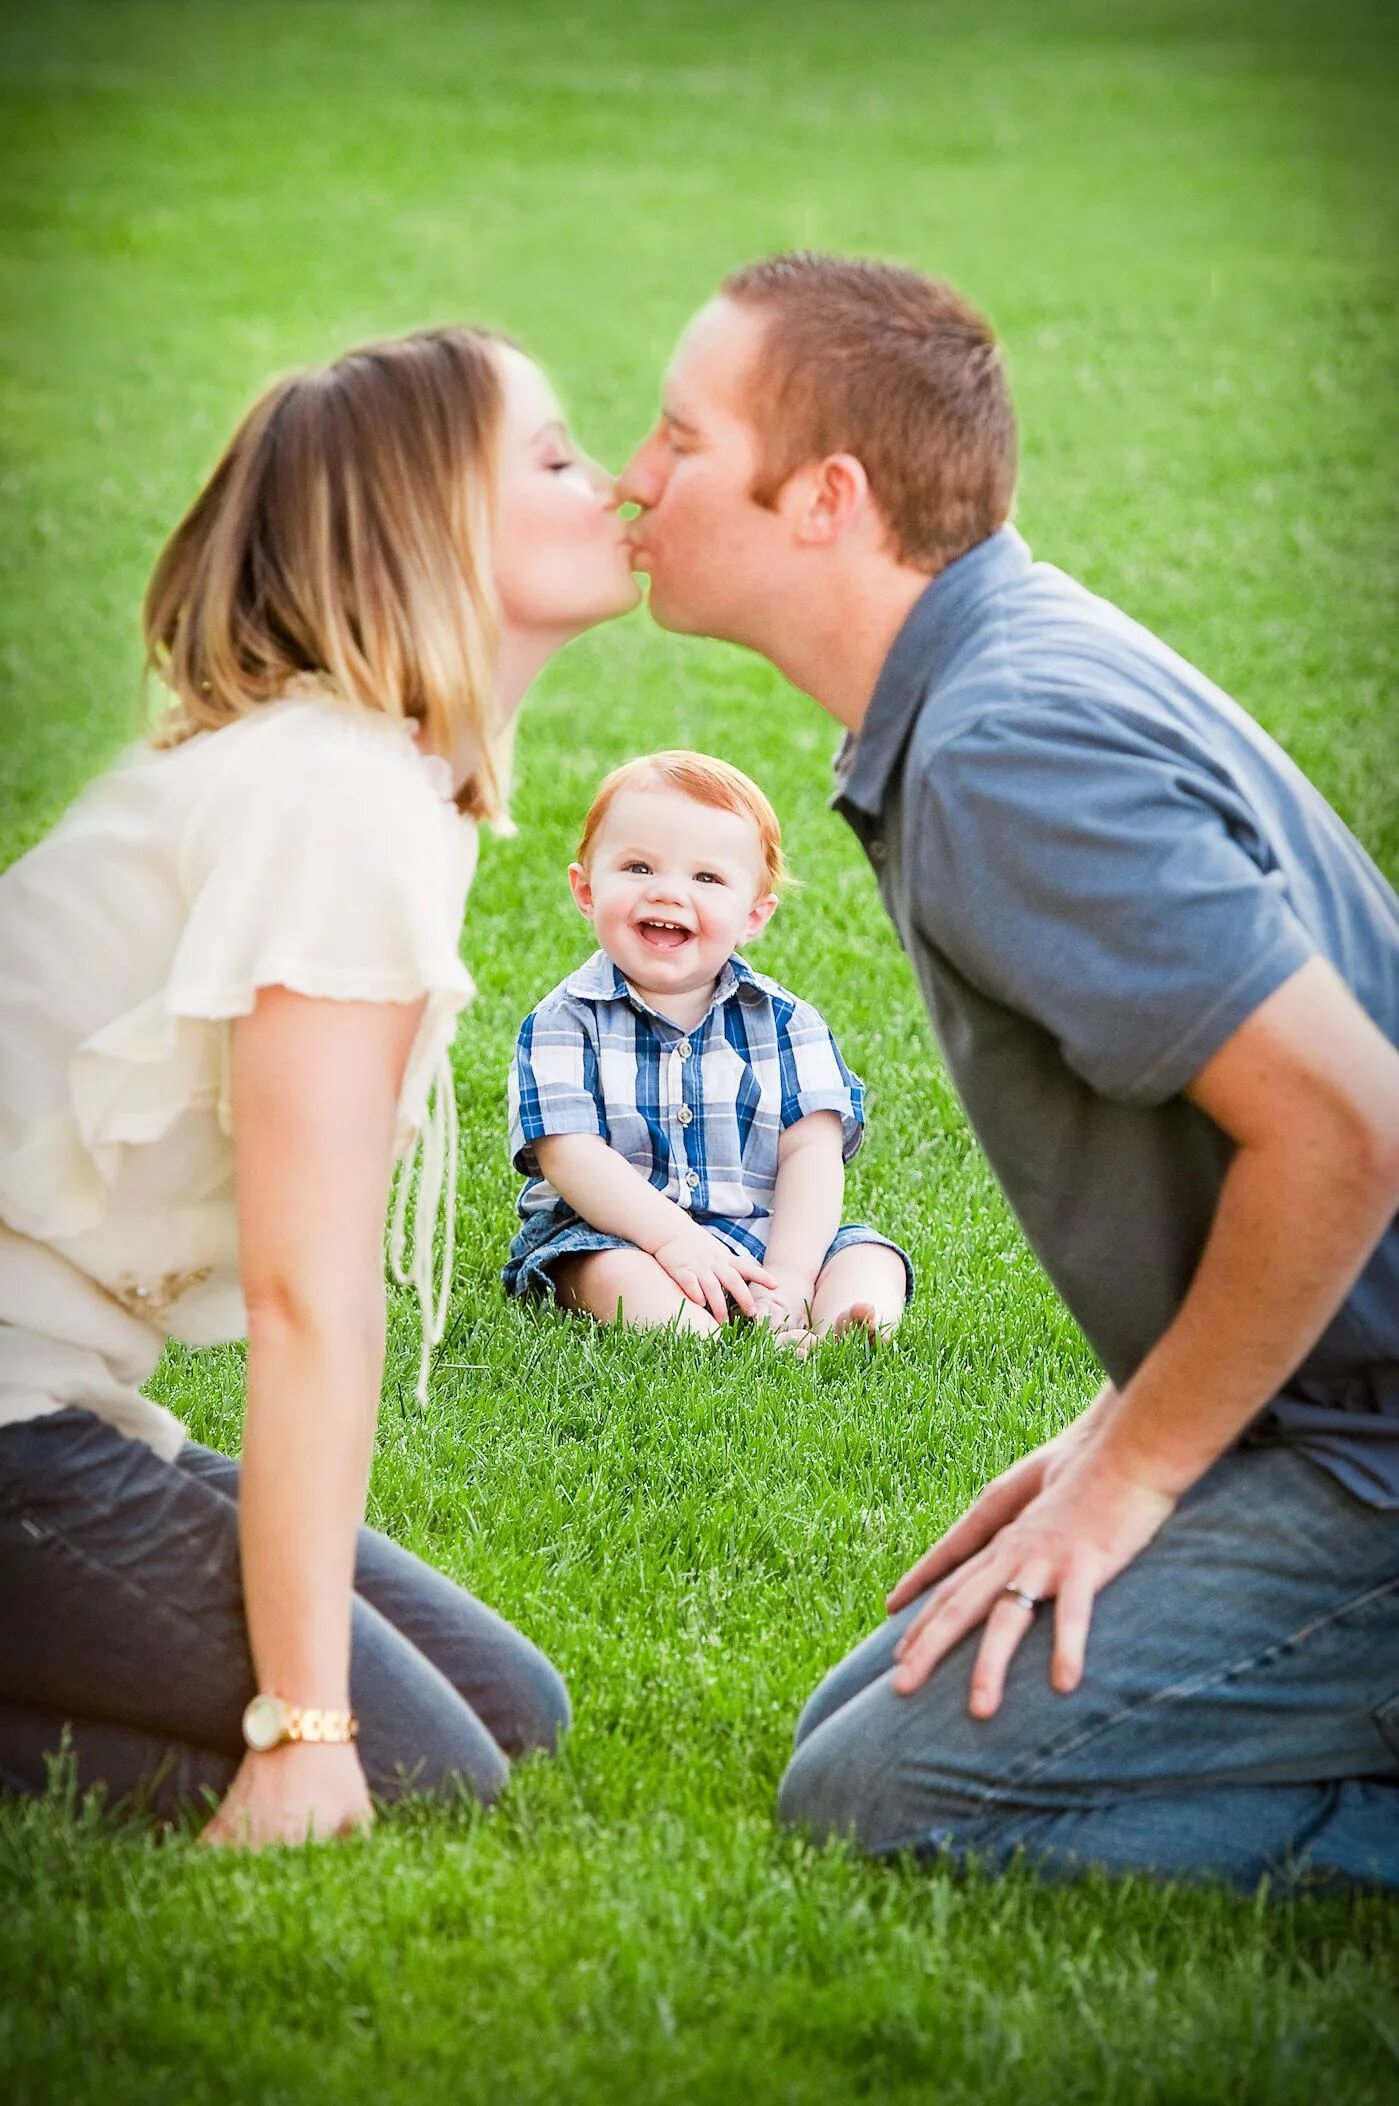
41, 1533
1179, 1691
1386, 1718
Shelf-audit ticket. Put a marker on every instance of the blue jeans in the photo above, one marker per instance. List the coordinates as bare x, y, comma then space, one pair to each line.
121, 1619
1238, 1718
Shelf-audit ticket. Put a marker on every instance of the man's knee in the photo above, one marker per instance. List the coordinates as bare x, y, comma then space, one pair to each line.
834, 1785
823, 1703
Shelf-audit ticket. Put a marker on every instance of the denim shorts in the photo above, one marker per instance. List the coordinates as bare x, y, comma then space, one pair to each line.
543, 1241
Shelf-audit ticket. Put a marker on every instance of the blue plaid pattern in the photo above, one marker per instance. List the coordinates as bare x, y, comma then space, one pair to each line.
698, 1113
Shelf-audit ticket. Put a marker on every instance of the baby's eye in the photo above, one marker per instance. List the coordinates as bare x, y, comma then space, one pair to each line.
636, 868
708, 877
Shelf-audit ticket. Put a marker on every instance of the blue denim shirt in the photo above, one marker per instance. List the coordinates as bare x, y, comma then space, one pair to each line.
1100, 866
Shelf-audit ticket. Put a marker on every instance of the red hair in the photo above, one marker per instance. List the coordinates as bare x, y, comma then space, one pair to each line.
704, 780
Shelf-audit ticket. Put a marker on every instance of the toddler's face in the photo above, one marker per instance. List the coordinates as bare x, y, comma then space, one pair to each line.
673, 888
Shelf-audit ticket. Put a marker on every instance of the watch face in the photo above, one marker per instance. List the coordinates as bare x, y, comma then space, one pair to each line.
262, 1723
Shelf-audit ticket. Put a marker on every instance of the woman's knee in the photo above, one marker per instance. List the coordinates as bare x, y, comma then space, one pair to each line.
542, 1708
454, 1748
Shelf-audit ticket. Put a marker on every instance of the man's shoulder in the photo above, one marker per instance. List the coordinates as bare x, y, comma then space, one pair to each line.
1058, 670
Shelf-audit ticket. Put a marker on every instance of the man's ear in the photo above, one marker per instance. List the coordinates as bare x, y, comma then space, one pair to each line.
827, 498
582, 891
760, 914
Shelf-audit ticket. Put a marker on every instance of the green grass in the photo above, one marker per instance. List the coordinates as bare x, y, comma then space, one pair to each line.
1182, 214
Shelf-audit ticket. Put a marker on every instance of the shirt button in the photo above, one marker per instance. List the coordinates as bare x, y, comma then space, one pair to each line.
683, 1049
692, 1179
877, 847
685, 1115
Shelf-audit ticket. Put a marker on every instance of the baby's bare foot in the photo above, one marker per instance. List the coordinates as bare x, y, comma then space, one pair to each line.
860, 1316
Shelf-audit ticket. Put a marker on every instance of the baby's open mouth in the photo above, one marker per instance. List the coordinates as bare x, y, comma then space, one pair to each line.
663, 935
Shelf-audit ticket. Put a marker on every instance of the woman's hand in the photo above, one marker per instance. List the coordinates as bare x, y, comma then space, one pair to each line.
1083, 1521
706, 1270
298, 1793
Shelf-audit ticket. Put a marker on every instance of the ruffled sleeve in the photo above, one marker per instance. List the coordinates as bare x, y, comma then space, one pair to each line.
321, 852
335, 866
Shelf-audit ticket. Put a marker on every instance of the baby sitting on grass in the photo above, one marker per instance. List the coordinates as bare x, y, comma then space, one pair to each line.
684, 1122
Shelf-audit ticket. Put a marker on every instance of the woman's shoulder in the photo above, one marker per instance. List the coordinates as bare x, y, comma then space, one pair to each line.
305, 737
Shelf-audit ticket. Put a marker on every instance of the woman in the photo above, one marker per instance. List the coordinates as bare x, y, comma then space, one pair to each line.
229, 980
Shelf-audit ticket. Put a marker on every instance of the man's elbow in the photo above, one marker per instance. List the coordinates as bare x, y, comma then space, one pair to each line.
1367, 1144
1382, 1148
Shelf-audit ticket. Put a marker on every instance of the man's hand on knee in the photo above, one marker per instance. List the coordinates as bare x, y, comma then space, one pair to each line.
1057, 1527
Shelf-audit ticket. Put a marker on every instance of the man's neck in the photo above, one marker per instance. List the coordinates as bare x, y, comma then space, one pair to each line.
835, 650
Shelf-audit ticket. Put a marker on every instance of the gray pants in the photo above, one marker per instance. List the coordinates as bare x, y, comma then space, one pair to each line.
121, 1619
1238, 1717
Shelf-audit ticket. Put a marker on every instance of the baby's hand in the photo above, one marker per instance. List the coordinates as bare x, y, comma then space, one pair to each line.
706, 1270
786, 1306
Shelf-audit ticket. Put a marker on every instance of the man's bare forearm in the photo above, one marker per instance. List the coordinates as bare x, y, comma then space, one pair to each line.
1292, 1231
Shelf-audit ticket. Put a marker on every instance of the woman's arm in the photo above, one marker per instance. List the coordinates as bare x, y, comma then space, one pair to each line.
315, 1086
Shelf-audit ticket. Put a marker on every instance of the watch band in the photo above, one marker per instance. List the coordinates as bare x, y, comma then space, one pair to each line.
270, 1722
309, 1722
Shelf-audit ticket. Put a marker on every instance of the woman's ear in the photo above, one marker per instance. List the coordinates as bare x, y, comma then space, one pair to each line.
759, 916
582, 891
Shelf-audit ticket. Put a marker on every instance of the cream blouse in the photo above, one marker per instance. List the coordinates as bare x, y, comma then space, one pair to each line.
312, 846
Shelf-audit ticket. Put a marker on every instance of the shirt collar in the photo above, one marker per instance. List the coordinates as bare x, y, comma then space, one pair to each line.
865, 764
599, 980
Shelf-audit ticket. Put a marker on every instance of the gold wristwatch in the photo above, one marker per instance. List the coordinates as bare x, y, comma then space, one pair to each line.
269, 1723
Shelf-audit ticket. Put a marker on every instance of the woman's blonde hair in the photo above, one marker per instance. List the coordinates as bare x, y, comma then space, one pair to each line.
344, 539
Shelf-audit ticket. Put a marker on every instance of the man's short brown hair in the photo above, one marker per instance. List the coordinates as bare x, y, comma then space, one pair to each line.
900, 371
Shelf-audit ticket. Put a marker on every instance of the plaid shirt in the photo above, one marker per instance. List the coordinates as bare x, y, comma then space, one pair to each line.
698, 1113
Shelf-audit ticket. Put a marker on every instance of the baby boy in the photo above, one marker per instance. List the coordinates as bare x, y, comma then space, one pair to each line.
684, 1122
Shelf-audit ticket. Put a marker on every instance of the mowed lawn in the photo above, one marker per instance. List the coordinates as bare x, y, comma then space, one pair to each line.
1181, 213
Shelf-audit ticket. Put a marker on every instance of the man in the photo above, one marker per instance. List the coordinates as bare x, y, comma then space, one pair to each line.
1166, 982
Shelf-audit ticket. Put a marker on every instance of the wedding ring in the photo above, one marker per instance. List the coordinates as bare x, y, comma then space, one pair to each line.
1024, 1600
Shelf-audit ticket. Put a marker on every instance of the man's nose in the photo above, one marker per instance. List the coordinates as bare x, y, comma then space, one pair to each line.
640, 482
604, 484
